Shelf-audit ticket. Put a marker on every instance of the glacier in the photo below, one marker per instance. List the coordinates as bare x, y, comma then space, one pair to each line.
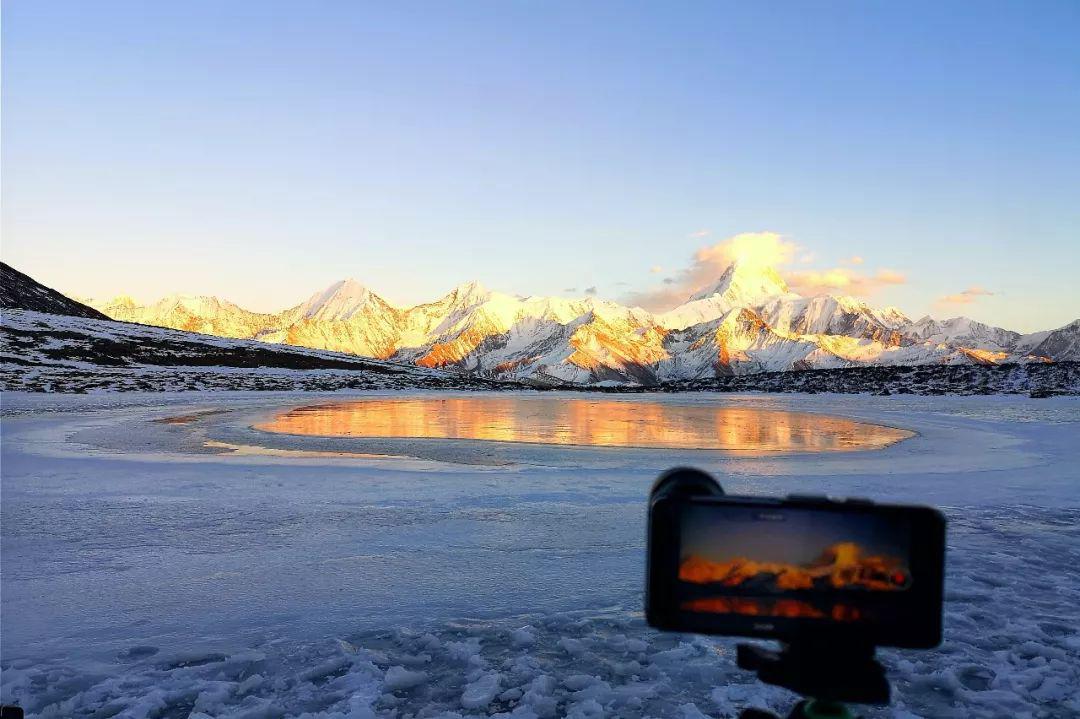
147, 575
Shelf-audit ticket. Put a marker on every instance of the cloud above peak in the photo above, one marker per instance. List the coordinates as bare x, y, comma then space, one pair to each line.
764, 250
841, 280
752, 249
755, 249
965, 297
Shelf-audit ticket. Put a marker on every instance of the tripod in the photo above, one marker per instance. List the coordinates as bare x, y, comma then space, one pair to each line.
831, 672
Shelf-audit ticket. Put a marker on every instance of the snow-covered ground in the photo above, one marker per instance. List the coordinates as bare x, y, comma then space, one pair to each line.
144, 575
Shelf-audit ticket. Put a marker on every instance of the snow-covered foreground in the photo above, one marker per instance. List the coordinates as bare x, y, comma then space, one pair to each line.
143, 576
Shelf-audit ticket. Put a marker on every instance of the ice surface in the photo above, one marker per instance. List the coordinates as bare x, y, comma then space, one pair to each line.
157, 582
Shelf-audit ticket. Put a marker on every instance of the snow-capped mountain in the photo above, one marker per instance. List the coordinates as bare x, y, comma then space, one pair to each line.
551, 337
345, 317
963, 331
193, 313
829, 315
747, 321
739, 342
1062, 343
740, 286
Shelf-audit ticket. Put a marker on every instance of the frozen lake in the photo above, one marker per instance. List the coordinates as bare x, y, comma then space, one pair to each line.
587, 422
153, 568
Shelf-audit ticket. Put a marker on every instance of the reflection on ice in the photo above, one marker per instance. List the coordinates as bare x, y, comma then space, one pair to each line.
589, 422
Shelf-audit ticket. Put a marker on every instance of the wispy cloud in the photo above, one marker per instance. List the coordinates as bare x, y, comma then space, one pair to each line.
591, 291
656, 269
853, 260
841, 280
965, 297
698, 234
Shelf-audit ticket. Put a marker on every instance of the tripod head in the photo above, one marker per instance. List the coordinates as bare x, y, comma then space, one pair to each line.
830, 672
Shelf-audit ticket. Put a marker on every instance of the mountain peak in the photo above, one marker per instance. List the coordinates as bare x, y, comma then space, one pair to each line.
744, 284
184, 300
338, 301
126, 301
741, 285
349, 286
471, 290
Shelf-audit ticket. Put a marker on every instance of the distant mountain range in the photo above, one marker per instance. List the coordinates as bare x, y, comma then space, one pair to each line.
843, 565
748, 321
51, 343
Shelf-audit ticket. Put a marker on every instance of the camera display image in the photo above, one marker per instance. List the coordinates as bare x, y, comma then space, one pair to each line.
796, 563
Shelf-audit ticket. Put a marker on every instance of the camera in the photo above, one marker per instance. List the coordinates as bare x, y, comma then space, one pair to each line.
797, 568
830, 578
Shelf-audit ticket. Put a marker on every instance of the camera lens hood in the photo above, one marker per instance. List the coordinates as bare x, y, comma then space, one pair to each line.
683, 483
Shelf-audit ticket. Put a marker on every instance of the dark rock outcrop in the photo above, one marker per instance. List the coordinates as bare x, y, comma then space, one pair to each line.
19, 291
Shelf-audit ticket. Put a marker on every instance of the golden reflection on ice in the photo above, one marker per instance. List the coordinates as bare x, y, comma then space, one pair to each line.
589, 422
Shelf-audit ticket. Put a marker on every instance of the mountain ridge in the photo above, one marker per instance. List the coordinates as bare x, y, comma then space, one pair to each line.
747, 321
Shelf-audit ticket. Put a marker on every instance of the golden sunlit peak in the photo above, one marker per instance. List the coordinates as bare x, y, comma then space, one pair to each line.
745, 283
340, 299
350, 284
471, 288
348, 287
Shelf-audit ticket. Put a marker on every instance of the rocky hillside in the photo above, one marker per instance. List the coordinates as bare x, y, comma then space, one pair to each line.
1036, 379
23, 292
59, 353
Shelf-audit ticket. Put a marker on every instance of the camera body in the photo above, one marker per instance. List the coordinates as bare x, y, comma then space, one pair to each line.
806, 570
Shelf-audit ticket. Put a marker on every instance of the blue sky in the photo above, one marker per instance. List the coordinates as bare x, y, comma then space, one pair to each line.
724, 533
262, 150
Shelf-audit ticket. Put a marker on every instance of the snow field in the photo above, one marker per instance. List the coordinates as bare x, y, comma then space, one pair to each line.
143, 584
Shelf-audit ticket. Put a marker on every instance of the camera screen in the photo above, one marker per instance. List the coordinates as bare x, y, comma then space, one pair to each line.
793, 562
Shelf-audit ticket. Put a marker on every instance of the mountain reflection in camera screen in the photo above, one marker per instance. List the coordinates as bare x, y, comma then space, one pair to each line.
750, 551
